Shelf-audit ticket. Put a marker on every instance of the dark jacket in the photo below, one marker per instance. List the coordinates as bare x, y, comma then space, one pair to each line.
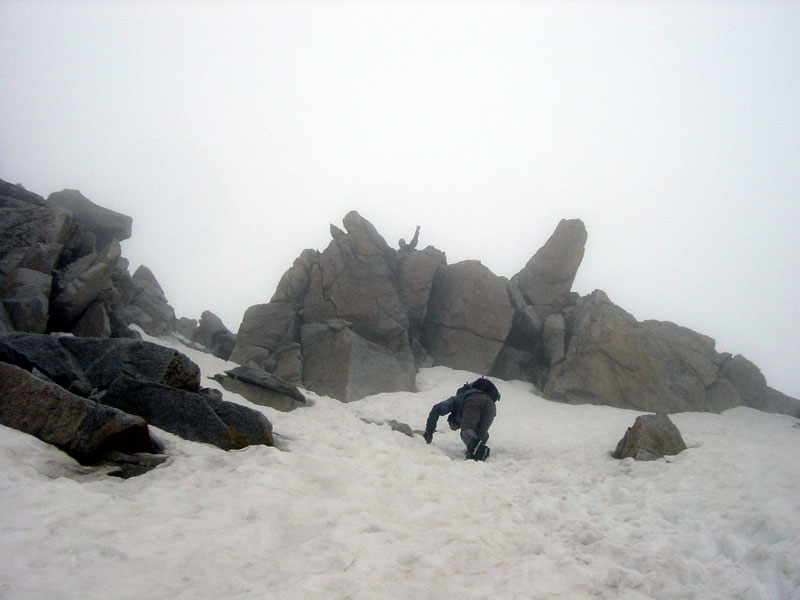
473, 411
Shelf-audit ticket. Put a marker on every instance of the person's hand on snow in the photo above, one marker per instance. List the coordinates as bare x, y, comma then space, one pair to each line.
428, 436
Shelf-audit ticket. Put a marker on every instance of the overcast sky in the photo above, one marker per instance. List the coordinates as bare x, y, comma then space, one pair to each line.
235, 133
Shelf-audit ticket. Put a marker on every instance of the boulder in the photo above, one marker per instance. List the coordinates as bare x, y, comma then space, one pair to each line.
339, 363
104, 360
469, 317
105, 224
651, 437
212, 333
45, 354
526, 326
84, 429
6, 326
262, 388
652, 366
513, 363
265, 329
189, 415
546, 280
289, 364
186, 327
26, 299
80, 284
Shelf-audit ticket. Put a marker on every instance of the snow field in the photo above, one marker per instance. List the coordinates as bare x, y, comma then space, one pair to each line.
348, 509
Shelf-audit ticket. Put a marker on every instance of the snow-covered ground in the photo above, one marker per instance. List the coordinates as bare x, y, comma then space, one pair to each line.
348, 509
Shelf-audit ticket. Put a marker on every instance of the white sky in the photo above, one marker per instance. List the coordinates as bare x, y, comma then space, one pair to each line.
234, 133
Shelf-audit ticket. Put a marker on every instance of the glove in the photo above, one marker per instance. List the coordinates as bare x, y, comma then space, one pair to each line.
428, 437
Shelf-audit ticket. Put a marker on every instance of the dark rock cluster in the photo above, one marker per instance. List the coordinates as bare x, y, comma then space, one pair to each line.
72, 371
94, 398
61, 269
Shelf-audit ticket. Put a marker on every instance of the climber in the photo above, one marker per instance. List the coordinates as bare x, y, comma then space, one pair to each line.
472, 410
410, 246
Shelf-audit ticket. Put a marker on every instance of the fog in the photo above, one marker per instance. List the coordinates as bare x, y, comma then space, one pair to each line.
234, 133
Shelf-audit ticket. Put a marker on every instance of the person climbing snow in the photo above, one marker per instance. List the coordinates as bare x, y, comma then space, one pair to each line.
472, 410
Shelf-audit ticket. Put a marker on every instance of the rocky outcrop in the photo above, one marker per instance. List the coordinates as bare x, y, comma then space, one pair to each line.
469, 317
80, 284
64, 378
355, 280
546, 280
61, 269
651, 437
651, 366
84, 429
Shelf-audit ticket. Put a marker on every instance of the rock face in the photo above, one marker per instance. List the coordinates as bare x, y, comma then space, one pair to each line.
651, 366
469, 317
651, 437
350, 294
547, 279
84, 429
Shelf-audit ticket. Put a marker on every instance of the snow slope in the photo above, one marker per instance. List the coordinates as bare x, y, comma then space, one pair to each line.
349, 509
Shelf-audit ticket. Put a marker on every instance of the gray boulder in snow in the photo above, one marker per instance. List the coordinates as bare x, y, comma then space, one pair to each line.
546, 280
212, 333
469, 317
189, 415
262, 388
337, 362
651, 437
84, 429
